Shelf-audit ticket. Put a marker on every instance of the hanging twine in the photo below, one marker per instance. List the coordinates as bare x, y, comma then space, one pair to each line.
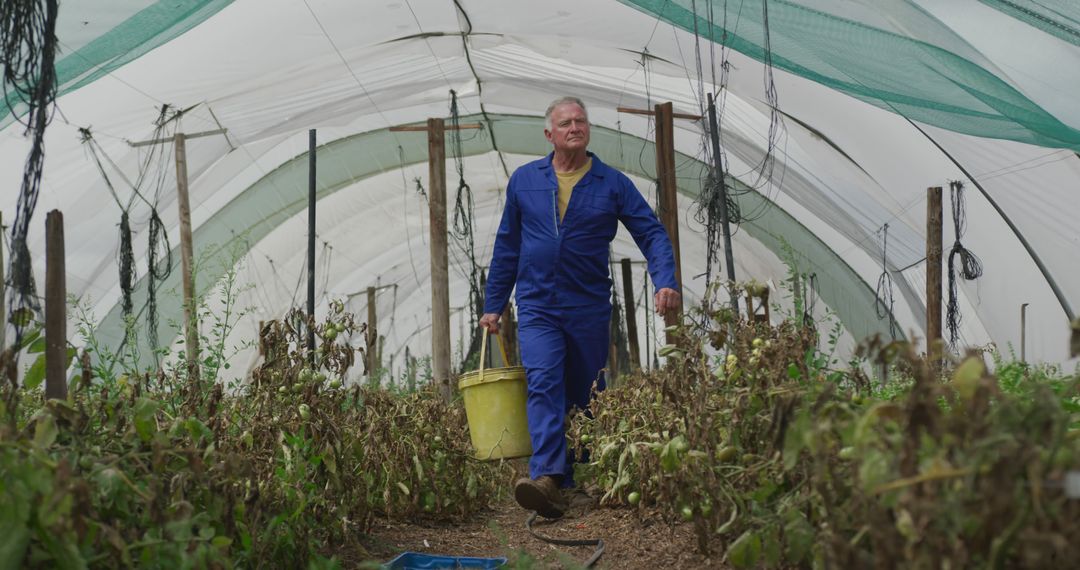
464, 238
970, 266
27, 56
883, 297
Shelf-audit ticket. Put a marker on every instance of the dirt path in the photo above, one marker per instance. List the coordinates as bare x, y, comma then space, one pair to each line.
632, 540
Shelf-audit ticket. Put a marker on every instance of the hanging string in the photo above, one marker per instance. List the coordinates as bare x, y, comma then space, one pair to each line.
27, 55
810, 288
464, 216
883, 297
970, 266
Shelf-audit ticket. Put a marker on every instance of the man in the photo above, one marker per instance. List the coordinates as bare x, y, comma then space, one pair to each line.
561, 213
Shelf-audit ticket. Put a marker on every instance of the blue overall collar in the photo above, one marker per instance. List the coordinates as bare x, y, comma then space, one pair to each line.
596, 170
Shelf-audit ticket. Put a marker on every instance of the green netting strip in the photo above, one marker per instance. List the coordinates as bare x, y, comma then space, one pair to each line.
1060, 19
922, 81
149, 28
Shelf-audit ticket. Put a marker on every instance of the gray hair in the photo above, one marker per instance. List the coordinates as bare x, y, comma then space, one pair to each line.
563, 101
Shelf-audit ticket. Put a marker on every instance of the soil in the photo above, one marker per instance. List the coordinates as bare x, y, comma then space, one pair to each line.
633, 539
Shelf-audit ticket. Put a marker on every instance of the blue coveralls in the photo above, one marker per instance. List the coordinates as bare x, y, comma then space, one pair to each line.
564, 289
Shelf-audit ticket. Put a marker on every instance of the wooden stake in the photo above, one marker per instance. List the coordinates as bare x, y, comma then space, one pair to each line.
933, 276
440, 267
187, 258
669, 203
3, 292
372, 334
631, 314
55, 308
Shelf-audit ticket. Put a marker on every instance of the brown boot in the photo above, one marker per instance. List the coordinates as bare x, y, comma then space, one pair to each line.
542, 495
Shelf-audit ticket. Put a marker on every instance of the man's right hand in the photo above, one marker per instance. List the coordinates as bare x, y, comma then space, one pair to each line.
490, 321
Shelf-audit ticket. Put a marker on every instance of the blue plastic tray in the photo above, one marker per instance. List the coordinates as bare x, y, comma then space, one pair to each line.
418, 561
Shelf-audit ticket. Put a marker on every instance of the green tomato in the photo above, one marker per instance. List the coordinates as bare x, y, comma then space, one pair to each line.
633, 498
847, 453
305, 411
687, 513
586, 438
282, 389
335, 384
726, 453
320, 377
330, 334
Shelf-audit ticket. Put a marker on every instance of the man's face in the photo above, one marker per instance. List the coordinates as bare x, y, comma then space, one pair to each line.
569, 130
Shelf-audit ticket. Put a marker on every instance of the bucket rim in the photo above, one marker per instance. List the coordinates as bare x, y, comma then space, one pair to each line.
470, 379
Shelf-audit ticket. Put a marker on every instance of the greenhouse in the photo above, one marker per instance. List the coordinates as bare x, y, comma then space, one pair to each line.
255, 255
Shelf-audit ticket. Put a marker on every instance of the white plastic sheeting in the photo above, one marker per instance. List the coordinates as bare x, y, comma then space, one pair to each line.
268, 70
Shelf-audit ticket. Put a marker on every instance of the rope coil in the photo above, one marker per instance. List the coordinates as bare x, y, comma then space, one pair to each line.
970, 266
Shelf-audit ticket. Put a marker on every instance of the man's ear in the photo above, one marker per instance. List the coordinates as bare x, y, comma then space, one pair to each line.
547, 134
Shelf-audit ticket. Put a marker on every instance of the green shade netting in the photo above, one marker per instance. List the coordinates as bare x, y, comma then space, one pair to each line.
917, 67
136, 35
1060, 18
282, 194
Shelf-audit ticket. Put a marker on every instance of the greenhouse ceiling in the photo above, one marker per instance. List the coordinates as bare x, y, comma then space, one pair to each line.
836, 116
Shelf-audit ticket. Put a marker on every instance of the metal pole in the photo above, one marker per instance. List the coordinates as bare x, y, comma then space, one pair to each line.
372, 333
631, 314
311, 246
55, 308
729, 258
1023, 332
3, 292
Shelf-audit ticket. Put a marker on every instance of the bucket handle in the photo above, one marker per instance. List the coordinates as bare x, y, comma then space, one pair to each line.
483, 352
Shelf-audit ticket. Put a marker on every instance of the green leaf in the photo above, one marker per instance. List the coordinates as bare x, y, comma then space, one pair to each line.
13, 543
669, 457
45, 431
145, 418
36, 374
198, 430
745, 551
771, 547
37, 346
798, 536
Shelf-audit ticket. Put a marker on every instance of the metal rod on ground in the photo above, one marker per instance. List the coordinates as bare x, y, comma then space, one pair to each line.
440, 268
371, 350
725, 225
55, 308
1023, 332
668, 200
933, 276
631, 314
187, 259
311, 247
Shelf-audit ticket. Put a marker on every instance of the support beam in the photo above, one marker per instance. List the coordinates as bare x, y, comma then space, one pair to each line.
3, 292
55, 308
668, 190
725, 226
311, 247
933, 275
187, 259
440, 268
631, 314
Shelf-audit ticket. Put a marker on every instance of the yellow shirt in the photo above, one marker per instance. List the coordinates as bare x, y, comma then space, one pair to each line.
567, 181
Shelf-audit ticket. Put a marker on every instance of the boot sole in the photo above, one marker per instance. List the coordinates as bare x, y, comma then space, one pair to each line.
532, 499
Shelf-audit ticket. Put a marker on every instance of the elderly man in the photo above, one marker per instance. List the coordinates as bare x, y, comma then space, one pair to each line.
560, 216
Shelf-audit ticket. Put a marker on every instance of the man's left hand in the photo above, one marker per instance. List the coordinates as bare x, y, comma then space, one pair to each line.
667, 300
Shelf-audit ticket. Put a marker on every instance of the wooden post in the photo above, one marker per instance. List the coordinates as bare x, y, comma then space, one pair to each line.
440, 269
3, 292
55, 308
187, 258
933, 276
371, 350
631, 314
669, 203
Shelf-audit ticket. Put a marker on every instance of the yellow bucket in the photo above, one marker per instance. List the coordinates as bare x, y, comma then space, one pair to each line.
495, 407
